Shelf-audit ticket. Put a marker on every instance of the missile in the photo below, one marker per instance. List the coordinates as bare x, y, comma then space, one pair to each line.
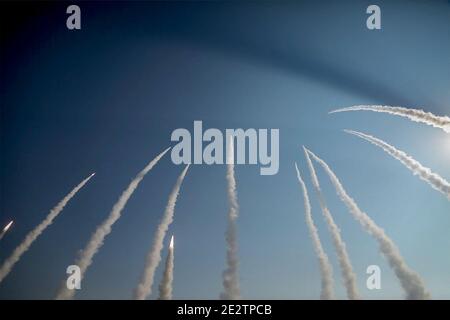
92, 175
8, 226
171, 243
3, 232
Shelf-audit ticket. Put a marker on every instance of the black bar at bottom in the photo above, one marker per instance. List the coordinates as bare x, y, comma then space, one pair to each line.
219, 309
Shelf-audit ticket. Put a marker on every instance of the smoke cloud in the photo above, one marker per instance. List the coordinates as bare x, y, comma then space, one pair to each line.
412, 114
144, 288
410, 281
165, 287
37, 231
231, 273
326, 270
348, 274
96, 241
433, 179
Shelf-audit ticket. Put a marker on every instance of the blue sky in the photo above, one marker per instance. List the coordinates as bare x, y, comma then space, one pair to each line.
106, 99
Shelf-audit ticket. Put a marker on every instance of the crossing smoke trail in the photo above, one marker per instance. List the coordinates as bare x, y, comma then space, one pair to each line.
410, 281
348, 274
433, 179
96, 241
441, 122
5, 229
144, 288
165, 287
37, 231
326, 270
231, 273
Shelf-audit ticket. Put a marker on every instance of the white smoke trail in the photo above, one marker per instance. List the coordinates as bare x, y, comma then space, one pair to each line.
410, 281
433, 179
144, 288
165, 287
37, 231
326, 270
231, 273
417, 115
348, 274
96, 241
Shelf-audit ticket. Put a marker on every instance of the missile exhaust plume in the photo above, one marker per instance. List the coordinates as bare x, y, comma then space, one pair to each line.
96, 241
348, 274
231, 290
144, 288
433, 179
165, 287
5, 229
417, 115
410, 281
37, 231
326, 270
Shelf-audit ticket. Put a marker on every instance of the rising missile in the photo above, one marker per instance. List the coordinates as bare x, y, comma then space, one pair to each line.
8, 226
5, 229
171, 243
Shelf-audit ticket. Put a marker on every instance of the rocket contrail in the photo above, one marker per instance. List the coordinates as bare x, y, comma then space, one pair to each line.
144, 288
441, 122
433, 179
231, 290
410, 281
326, 270
165, 287
97, 238
348, 274
37, 231
5, 229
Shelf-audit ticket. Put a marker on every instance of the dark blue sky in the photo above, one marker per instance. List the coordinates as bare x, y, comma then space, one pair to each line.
106, 99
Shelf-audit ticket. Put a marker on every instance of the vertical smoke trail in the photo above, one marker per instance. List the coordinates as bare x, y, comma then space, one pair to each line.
5, 229
144, 288
348, 274
165, 287
412, 114
97, 238
326, 270
434, 180
36, 232
410, 281
231, 273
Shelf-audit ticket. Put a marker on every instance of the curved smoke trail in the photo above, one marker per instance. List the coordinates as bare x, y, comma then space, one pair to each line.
348, 274
144, 288
326, 270
96, 241
410, 281
417, 115
165, 287
231, 273
36, 232
433, 179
